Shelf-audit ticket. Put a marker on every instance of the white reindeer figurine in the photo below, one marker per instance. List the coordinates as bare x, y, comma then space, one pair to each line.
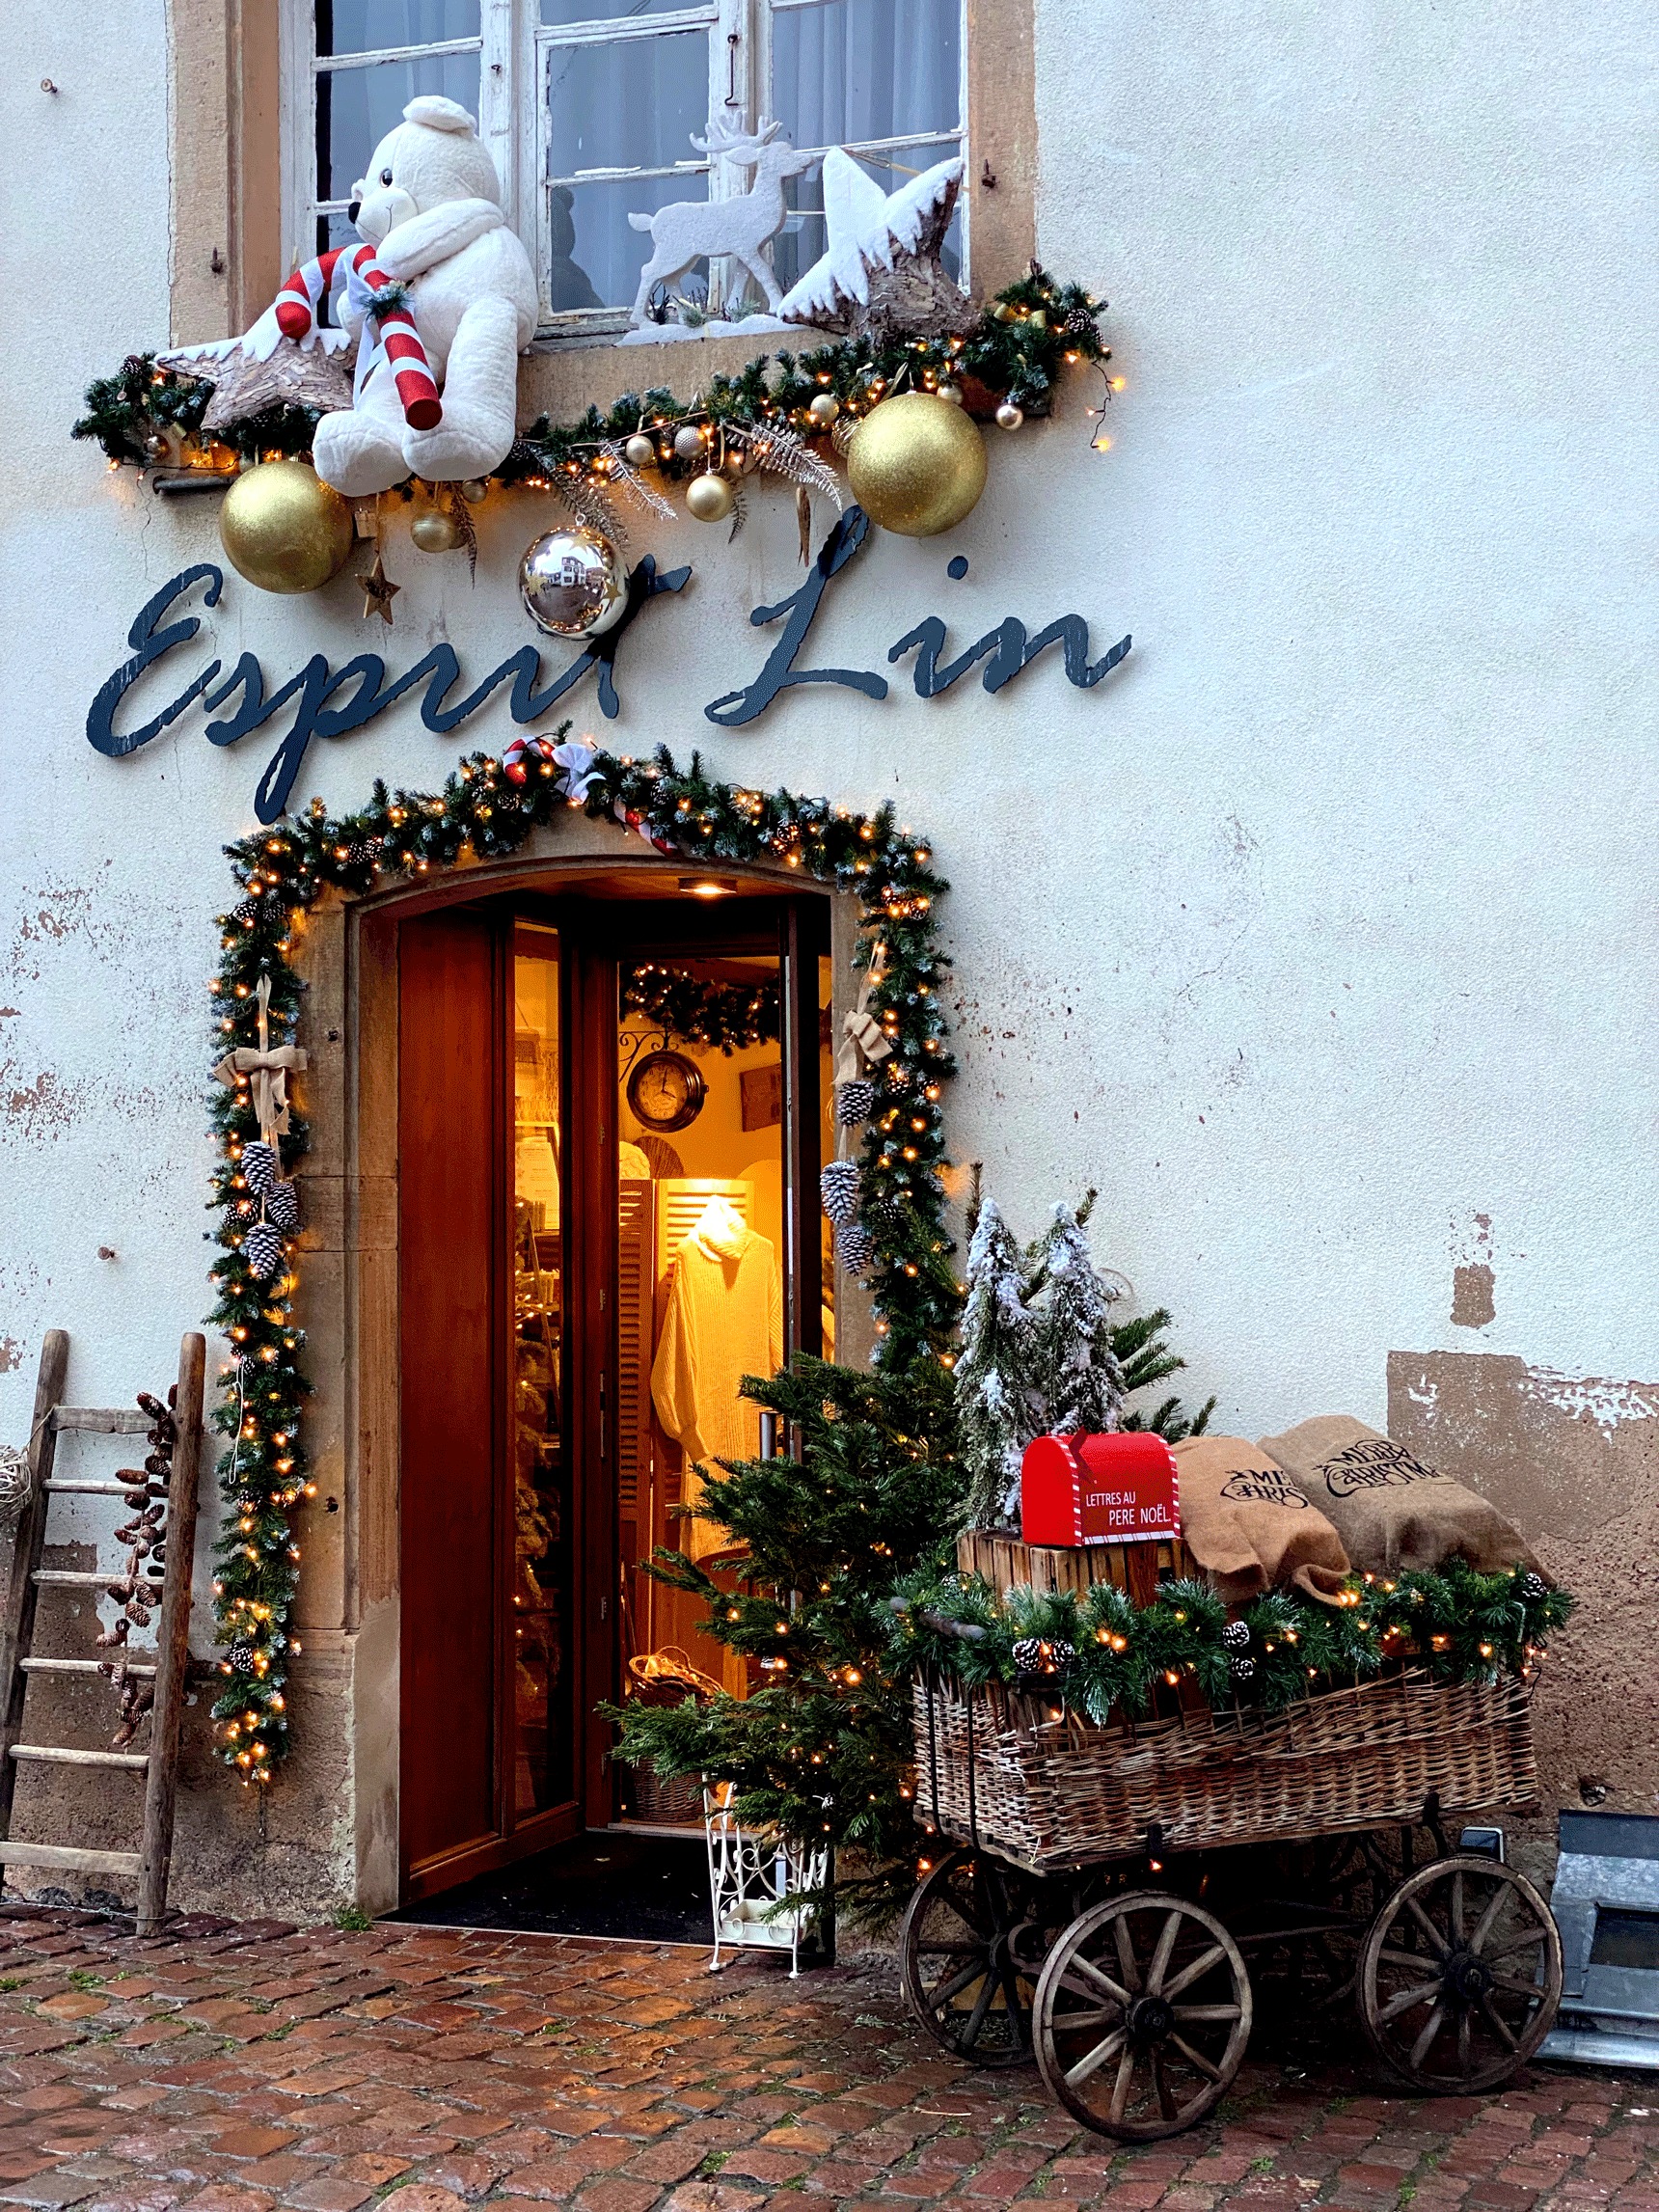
687, 230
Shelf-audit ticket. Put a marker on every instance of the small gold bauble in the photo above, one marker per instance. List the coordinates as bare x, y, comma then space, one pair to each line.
573, 583
283, 529
824, 409
688, 441
917, 464
475, 490
435, 532
710, 498
639, 451
1009, 417
950, 393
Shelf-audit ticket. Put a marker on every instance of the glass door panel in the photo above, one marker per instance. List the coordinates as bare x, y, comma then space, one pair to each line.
542, 1733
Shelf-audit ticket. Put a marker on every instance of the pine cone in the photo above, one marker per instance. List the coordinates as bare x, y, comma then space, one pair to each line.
1079, 321
241, 1657
854, 1247
854, 1102
262, 1247
1243, 1669
283, 1206
1533, 1587
838, 1188
1235, 1636
1038, 1655
259, 1168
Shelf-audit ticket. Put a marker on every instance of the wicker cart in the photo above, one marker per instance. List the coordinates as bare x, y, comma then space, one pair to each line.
1121, 1891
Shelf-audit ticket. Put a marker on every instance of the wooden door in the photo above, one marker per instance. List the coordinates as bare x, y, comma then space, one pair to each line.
448, 1119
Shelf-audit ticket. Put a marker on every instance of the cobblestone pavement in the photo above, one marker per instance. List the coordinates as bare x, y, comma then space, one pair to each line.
233, 2069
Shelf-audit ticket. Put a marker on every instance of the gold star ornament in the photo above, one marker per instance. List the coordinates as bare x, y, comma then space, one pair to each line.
378, 592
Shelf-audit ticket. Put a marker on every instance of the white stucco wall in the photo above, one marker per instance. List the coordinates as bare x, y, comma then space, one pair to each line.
1320, 932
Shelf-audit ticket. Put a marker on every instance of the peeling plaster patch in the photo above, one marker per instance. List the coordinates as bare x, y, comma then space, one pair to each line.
1587, 1396
10, 1355
43, 1108
1473, 1281
59, 910
1472, 1301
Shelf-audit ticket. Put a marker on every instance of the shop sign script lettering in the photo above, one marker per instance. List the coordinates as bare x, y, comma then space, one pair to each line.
330, 703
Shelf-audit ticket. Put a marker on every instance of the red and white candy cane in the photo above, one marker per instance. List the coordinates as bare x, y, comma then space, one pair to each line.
352, 271
522, 750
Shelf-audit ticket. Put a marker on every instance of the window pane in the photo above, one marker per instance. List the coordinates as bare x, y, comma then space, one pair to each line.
629, 103
365, 26
607, 11
803, 239
596, 256
854, 69
355, 109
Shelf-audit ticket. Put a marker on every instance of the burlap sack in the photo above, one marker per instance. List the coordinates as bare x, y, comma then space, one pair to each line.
1392, 1512
1249, 1527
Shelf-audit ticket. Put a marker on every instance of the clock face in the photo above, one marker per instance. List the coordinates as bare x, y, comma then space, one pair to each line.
667, 1091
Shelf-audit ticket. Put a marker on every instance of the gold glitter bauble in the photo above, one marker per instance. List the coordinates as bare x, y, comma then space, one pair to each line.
709, 498
917, 464
572, 582
283, 529
435, 531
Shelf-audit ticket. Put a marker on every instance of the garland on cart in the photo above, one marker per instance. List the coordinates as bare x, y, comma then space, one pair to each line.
482, 813
729, 1014
1100, 1652
1014, 355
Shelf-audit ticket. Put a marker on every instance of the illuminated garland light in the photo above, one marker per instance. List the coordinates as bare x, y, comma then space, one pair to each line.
1101, 1655
480, 813
149, 415
729, 1014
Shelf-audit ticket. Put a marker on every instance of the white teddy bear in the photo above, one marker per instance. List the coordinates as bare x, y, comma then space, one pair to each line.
430, 208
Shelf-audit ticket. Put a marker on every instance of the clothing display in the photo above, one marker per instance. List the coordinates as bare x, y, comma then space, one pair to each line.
724, 1321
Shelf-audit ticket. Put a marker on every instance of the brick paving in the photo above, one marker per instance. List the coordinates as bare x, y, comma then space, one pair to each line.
249, 2068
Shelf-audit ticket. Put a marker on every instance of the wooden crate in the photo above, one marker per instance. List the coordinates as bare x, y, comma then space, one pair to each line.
1006, 1563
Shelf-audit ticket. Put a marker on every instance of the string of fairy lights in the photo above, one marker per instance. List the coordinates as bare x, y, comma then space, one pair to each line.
483, 814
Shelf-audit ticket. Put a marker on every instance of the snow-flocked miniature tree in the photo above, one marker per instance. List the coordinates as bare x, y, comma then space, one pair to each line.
1041, 1353
994, 1368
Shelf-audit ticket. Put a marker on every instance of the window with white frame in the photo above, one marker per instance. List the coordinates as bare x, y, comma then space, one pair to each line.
589, 108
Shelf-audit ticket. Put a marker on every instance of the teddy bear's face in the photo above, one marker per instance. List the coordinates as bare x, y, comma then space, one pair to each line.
432, 156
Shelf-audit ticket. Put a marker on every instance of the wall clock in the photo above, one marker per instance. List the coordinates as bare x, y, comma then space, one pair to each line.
667, 1091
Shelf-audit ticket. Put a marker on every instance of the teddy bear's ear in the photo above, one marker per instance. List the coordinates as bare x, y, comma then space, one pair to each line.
438, 114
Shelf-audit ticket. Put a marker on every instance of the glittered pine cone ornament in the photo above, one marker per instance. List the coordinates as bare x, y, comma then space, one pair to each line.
838, 1188
283, 1207
1235, 1636
259, 1168
262, 1247
854, 1102
854, 1247
1243, 1667
1533, 1587
241, 1657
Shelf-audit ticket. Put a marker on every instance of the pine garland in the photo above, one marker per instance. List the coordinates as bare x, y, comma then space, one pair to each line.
729, 1014
1101, 1654
1017, 351
481, 814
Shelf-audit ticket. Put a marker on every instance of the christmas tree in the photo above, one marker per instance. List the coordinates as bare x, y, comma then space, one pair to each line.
998, 1356
821, 1750
1078, 1378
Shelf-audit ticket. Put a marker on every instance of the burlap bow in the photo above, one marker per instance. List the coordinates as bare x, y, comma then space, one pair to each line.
266, 1071
864, 1042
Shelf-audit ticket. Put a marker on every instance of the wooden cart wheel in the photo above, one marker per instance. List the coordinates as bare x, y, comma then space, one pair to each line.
1460, 1976
970, 1950
1142, 2017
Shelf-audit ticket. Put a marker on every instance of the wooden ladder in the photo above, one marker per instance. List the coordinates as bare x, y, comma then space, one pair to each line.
159, 1765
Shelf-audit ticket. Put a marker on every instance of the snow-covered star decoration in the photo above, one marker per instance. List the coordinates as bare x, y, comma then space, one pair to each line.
875, 239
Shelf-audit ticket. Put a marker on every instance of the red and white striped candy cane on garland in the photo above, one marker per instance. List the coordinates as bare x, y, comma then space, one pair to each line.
350, 274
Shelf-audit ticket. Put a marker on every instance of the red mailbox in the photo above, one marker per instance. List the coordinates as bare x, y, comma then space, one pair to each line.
1098, 1490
